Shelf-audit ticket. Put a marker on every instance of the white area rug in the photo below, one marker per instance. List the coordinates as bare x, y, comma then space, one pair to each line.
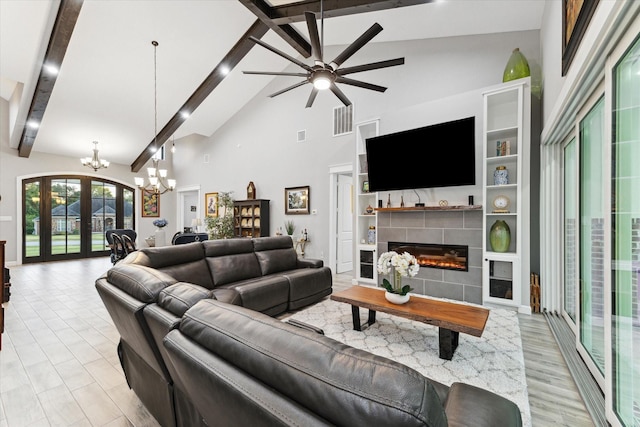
493, 361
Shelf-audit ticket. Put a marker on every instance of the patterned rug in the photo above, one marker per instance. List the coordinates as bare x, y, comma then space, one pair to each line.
493, 361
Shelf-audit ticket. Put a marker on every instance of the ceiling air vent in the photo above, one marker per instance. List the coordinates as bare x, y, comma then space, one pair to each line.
342, 120
302, 135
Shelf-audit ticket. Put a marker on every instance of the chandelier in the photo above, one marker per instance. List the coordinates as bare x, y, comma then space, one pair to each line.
94, 162
158, 181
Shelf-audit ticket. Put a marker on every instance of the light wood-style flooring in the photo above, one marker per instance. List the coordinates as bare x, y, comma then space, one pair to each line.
58, 364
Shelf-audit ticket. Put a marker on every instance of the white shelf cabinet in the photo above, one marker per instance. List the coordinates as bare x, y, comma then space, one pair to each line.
366, 247
507, 117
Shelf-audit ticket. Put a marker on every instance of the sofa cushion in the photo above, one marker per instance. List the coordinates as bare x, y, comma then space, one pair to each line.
231, 260
306, 285
264, 294
142, 283
334, 380
181, 296
185, 263
275, 254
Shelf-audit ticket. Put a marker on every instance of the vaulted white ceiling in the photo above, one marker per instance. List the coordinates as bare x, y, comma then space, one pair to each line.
105, 87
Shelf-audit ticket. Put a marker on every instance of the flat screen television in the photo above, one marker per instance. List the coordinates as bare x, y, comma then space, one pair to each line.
440, 155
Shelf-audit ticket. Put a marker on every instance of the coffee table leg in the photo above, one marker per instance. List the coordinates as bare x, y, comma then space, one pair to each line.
448, 343
355, 315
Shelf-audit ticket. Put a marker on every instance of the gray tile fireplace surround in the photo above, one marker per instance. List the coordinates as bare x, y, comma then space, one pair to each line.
444, 227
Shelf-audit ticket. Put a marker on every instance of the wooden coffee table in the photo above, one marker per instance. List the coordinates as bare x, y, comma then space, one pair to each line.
451, 318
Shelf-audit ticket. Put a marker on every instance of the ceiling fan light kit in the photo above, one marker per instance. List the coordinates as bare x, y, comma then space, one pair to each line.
324, 75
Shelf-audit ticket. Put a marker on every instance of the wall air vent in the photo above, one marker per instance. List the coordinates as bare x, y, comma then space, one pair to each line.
342, 120
302, 136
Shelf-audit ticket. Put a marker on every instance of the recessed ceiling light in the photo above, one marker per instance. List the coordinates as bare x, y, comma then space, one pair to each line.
51, 69
33, 124
184, 114
224, 70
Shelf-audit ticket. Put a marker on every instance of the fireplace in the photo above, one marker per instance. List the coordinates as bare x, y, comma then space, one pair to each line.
447, 257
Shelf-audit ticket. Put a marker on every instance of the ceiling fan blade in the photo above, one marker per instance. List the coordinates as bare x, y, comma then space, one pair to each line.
337, 92
275, 73
360, 84
316, 47
280, 92
312, 97
281, 53
371, 66
356, 45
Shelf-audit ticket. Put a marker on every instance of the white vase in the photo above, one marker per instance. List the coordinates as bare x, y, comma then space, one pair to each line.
396, 298
160, 237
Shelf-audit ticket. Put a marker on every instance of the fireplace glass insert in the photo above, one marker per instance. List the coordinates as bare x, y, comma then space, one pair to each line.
448, 257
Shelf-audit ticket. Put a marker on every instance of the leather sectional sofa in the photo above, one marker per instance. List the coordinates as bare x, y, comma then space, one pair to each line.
199, 346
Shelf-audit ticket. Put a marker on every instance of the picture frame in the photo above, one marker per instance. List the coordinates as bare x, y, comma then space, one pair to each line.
576, 15
211, 205
150, 204
365, 186
297, 200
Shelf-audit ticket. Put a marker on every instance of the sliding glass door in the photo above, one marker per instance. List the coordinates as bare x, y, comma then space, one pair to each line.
625, 221
570, 231
592, 232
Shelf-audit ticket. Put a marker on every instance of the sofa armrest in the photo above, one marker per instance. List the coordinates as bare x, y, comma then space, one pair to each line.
309, 263
468, 405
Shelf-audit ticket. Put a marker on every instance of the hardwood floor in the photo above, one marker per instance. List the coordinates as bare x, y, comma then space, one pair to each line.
58, 364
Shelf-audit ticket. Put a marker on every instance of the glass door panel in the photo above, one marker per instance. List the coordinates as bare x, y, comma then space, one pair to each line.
103, 214
127, 197
66, 216
570, 229
32, 224
592, 235
625, 221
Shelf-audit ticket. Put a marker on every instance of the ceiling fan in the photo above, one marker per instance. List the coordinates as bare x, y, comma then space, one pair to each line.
325, 75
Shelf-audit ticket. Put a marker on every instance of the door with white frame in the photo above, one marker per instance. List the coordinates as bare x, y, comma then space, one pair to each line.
189, 210
344, 232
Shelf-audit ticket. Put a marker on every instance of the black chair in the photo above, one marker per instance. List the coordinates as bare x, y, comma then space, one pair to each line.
182, 238
122, 242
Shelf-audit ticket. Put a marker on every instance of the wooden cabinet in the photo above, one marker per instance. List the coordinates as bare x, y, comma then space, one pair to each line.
506, 188
251, 218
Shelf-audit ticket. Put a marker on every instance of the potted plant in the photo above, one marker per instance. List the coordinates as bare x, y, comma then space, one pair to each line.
397, 266
289, 227
221, 226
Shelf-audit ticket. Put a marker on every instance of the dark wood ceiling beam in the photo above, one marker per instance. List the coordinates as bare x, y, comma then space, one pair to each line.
231, 59
61, 32
294, 12
263, 11
279, 18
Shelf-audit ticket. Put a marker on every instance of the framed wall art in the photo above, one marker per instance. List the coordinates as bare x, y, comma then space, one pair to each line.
150, 204
576, 15
296, 200
211, 204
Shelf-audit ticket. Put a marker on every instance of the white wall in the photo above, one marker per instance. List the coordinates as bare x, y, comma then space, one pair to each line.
259, 143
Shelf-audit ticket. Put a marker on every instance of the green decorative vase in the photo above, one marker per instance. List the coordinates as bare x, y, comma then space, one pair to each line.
500, 236
517, 67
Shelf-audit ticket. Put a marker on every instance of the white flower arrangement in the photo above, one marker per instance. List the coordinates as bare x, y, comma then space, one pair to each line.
398, 266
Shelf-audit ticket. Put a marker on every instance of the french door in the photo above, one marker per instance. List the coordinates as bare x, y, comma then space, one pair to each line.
65, 217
